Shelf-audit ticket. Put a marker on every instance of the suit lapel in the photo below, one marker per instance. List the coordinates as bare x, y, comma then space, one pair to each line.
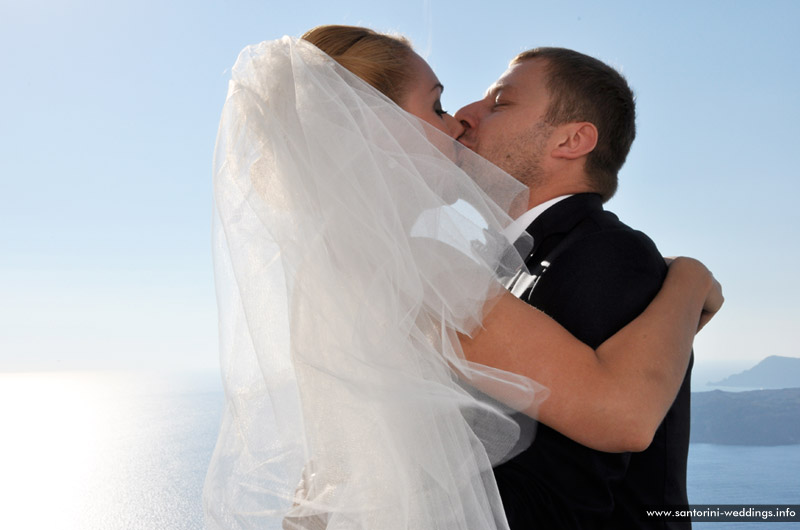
553, 224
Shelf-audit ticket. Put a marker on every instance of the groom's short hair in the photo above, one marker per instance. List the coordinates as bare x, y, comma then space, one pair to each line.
582, 88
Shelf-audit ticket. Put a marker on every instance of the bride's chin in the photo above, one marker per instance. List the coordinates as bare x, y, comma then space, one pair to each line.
446, 145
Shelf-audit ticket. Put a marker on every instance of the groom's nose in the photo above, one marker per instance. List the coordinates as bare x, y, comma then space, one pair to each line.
469, 118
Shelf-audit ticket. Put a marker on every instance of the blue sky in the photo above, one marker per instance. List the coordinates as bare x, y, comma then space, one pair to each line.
110, 112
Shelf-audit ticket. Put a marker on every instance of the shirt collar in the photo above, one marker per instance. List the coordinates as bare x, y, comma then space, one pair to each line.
518, 226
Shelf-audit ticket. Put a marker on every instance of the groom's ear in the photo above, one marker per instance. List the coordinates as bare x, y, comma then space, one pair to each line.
575, 140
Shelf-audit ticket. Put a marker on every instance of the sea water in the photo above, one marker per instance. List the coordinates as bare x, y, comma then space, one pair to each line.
731, 474
105, 451
101, 451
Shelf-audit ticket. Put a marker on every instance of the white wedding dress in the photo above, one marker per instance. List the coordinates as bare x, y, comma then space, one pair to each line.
352, 242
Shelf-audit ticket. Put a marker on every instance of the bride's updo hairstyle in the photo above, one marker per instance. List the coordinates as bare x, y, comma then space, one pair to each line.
381, 60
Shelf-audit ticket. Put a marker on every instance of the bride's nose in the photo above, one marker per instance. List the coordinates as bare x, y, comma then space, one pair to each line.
454, 127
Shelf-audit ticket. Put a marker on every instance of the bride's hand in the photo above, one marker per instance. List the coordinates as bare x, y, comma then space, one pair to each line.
714, 298
713, 303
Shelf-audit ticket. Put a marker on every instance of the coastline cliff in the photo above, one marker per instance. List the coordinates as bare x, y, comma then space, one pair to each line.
766, 414
755, 417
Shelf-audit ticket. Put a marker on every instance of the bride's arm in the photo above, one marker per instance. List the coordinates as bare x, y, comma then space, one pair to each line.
612, 398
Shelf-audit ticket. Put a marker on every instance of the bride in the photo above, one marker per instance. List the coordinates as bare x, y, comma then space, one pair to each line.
359, 261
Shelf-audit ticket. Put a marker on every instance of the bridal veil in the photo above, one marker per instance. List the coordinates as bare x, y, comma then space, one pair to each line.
352, 243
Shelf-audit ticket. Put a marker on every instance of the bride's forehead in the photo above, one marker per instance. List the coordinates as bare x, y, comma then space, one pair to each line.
420, 70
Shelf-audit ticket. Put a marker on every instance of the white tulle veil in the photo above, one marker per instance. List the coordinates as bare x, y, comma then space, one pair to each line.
352, 242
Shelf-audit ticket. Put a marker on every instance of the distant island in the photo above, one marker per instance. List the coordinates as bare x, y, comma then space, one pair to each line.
769, 415
773, 372
755, 417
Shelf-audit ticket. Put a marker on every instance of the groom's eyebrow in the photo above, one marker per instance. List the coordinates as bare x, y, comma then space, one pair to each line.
439, 86
494, 89
497, 88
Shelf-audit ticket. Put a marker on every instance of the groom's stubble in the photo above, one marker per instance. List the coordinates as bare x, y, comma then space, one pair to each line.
521, 156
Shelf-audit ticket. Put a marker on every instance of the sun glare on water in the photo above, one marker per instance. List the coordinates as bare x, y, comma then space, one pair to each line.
47, 449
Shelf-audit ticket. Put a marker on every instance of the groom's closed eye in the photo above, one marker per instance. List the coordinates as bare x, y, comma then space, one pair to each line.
501, 98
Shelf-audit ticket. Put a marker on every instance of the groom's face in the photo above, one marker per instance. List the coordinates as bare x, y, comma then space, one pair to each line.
507, 126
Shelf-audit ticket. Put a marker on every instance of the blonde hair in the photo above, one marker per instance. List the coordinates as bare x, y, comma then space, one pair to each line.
381, 60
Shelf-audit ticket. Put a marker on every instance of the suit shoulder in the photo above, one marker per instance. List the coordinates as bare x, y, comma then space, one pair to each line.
604, 235
601, 281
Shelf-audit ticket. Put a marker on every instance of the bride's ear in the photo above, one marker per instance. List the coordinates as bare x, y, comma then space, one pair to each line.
575, 140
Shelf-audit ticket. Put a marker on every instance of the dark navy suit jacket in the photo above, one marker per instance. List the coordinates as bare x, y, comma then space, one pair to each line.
598, 284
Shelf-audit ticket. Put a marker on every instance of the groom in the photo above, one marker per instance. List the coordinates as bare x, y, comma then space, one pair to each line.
562, 123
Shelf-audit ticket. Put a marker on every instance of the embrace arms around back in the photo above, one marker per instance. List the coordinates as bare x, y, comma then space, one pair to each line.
613, 398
